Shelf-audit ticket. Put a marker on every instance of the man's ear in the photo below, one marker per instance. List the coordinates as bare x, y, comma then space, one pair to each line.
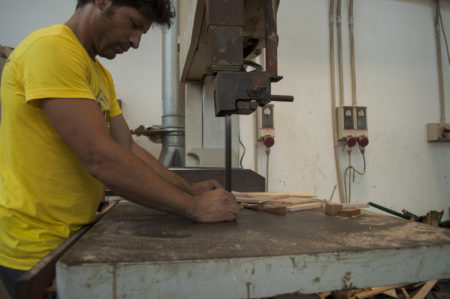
103, 4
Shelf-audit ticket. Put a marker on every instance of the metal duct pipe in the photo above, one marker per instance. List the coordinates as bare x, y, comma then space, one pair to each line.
172, 153
340, 59
437, 27
337, 160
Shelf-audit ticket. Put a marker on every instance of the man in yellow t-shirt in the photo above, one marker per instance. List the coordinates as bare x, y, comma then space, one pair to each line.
63, 136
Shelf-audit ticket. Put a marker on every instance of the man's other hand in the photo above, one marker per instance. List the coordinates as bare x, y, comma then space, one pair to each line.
201, 187
215, 206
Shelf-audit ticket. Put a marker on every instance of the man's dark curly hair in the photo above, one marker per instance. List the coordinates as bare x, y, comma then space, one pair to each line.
157, 11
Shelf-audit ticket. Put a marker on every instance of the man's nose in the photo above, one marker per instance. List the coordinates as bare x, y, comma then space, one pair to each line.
135, 39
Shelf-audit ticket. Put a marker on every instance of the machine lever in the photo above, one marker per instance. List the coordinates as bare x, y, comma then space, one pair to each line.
280, 98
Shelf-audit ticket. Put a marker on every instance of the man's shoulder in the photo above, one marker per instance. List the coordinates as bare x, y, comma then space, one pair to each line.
56, 33
55, 44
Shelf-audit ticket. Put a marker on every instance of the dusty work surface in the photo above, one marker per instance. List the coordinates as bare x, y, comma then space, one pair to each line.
131, 233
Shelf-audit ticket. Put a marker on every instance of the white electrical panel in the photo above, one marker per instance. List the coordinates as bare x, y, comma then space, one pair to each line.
266, 121
352, 121
438, 132
361, 121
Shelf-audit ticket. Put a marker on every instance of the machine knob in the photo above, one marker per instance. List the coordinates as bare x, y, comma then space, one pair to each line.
350, 141
269, 141
363, 141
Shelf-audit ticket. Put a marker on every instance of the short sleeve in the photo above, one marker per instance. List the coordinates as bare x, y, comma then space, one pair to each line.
55, 67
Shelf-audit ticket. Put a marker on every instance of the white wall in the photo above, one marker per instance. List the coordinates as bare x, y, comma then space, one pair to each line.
396, 79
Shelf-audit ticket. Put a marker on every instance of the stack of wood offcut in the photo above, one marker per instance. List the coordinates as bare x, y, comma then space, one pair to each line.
283, 202
419, 290
278, 202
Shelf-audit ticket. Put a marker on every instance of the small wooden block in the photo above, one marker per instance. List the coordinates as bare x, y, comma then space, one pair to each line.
349, 212
332, 209
274, 210
279, 210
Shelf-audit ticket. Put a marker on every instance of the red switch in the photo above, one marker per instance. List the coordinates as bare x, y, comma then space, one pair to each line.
269, 141
350, 141
363, 141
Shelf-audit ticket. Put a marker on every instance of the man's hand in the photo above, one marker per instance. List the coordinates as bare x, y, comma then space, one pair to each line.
215, 206
201, 187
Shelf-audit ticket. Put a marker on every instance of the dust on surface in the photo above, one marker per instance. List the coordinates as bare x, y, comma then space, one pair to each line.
131, 233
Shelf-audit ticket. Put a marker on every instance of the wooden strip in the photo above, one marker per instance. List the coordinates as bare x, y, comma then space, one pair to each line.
375, 291
305, 206
289, 194
324, 295
240, 194
405, 293
359, 205
425, 290
391, 293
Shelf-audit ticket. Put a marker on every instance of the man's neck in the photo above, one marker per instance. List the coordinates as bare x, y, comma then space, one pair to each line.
80, 23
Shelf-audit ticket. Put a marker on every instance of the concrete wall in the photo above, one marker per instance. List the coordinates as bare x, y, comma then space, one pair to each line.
396, 79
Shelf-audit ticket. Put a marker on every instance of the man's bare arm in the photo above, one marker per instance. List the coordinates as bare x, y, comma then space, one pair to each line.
81, 125
121, 134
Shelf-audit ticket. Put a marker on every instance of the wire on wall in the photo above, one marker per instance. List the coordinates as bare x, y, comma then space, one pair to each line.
267, 168
445, 36
351, 171
335, 19
243, 153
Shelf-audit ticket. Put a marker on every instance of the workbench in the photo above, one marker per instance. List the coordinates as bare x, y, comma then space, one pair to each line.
135, 252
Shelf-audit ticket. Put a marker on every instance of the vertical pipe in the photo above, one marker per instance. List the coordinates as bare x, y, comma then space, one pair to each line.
341, 69
228, 152
172, 153
352, 52
437, 28
337, 163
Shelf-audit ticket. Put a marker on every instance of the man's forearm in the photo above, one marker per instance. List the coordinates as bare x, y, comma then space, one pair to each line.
160, 169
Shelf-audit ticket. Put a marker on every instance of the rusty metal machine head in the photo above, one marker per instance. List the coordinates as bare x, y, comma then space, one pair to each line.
236, 30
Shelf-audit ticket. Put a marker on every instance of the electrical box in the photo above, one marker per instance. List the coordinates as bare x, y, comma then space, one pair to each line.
352, 121
361, 121
437, 132
266, 121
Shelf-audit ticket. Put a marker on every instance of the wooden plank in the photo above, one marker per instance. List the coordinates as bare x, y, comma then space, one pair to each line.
290, 194
279, 210
425, 290
258, 199
293, 200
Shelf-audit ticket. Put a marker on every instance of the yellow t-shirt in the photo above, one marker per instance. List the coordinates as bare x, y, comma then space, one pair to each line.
45, 192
